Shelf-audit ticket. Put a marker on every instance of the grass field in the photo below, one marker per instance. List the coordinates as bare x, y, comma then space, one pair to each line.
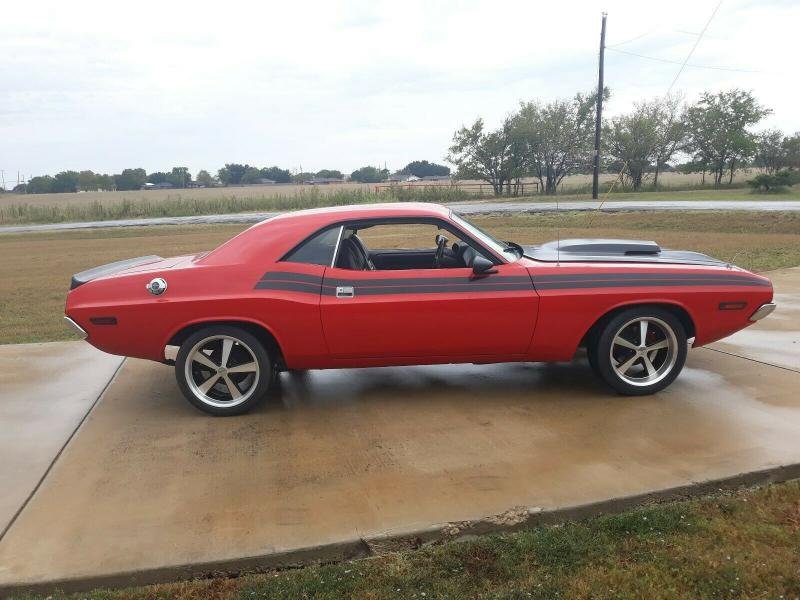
101, 206
739, 545
35, 268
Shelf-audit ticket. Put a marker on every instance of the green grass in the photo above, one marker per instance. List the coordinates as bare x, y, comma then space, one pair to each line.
35, 272
734, 545
30, 211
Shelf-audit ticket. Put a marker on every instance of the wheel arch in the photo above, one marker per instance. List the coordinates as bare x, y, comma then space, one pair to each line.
679, 311
255, 328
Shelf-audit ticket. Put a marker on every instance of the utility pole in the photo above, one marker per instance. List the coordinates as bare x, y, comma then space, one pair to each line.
599, 112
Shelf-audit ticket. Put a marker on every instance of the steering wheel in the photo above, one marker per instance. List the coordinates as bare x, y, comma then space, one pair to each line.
441, 244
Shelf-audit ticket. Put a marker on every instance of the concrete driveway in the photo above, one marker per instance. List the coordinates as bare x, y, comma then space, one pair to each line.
345, 463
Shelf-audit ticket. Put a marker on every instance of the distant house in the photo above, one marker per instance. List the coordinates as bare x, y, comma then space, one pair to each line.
324, 180
436, 178
265, 181
164, 185
401, 178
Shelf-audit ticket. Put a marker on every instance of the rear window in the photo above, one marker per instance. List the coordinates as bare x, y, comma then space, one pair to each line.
317, 250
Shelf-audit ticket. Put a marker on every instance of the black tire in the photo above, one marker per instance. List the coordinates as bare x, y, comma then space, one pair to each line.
244, 351
648, 371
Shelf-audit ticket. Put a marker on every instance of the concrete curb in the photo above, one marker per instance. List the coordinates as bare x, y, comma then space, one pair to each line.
515, 519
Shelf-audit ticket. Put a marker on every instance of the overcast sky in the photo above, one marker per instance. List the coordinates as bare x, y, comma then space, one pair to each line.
343, 84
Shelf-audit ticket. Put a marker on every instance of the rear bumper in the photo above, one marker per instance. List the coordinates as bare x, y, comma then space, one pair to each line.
762, 311
76, 328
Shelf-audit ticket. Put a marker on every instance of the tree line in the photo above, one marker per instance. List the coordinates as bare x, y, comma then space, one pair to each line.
230, 174
549, 141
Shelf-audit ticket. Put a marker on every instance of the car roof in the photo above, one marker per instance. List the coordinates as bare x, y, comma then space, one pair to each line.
331, 214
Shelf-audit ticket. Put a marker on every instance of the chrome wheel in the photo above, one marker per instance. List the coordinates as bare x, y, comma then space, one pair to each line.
644, 351
222, 371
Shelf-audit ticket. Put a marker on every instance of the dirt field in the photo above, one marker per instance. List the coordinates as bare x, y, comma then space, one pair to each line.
36, 268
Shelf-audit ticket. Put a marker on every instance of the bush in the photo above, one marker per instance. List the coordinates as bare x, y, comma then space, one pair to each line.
774, 182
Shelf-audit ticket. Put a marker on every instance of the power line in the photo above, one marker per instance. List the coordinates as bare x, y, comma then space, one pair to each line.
677, 62
633, 39
694, 47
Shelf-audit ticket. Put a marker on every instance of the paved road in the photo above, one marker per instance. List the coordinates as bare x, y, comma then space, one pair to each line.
149, 485
467, 208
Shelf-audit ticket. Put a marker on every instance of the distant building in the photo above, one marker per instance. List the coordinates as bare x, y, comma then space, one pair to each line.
436, 178
265, 181
324, 180
401, 178
164, 185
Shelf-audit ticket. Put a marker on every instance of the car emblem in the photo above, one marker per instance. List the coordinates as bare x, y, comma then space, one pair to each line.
157, 286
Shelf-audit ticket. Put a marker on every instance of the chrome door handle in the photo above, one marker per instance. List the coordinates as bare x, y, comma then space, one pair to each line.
345, 291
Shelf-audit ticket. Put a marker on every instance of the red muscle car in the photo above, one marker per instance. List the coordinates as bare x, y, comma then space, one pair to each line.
403, 284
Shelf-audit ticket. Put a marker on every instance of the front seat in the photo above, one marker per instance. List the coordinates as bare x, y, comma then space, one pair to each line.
353, 255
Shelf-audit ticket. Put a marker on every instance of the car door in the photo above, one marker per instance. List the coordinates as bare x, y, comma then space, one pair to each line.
428, 312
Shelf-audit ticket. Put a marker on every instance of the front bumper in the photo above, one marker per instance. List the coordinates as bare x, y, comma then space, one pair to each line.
762, 311
76, 328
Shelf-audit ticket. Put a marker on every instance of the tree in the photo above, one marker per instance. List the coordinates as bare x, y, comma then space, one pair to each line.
369, 175
329, 174
631, 140
105, 182
303, 177
130, 179
40, 185
179, 177
556, 138
423, 168
277, 174
66, 181
670, 131
251, 175
157, 177
495, 157
770, 151
791, 150
718, 130
204, 178
87, 181
231, 173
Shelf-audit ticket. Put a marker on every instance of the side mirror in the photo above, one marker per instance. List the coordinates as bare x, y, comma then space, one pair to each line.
482, 266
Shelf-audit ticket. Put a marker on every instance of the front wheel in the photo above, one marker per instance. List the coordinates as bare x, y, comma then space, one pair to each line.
223, 370
641, 351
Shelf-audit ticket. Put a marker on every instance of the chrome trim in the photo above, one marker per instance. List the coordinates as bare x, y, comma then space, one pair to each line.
77, 328
336, 248
763, 311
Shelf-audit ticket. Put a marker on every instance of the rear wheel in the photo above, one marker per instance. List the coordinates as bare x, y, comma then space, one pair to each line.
641, 351
223, 370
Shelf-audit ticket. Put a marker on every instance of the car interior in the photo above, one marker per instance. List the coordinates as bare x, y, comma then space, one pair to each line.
355, 255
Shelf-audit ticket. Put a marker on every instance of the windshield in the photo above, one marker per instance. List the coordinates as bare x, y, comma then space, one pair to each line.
511, 252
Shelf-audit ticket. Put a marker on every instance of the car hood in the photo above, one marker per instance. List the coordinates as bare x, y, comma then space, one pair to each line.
613, 250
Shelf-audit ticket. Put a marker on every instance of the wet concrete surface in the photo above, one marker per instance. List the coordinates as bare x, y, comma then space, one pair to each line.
466, 208
45, 391
776, 339
150, 483
349, 454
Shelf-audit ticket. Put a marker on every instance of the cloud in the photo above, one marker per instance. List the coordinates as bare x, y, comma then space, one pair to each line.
89, 84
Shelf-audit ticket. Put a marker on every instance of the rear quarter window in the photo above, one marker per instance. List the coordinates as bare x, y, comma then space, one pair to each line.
317, 250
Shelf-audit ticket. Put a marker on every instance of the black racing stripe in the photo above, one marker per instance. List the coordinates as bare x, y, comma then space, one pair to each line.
649, 275
642, 283
288, 276
290, 286
431, 289
413, 281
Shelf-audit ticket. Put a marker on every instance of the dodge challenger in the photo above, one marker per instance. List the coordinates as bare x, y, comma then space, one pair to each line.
407, 284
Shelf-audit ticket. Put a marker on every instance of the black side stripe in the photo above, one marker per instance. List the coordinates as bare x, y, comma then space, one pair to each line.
568, 285
314, 284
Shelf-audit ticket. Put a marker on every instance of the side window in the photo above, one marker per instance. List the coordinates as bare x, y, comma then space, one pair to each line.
317, 250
